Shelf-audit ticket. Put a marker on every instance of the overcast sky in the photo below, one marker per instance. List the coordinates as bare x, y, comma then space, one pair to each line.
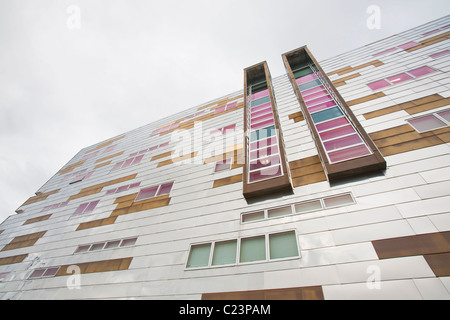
76, 72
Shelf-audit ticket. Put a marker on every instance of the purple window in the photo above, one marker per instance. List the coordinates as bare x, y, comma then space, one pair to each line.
118, 165
399, 78
134, 185
81, 208
81, 249
439, 54
426, 123
111, 191
384, 52
307, 78
37, 273
335, 133
409, 45
137, 159
229, 129
259, 94
165, 188
219, 110
231, 105
50, 272
91, 206
265, 173
128, 242
313, 90
222, 165
349, 153
122, 188
322, 106
378, 84
331, 124
147, 193
421, 71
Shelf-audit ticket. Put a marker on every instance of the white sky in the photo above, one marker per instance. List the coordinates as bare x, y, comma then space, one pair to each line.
132, 62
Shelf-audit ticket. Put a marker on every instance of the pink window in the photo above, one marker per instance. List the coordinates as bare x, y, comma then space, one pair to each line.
439, 54
137, 159
118, 165
321, 106
91, 206
37, 273
81, 208
315, 95
263, 143
349, 153
219, 110
164, 144
326, 98
265, 173
430, 32
421, 71
265, 162
127, 162
86, 207
342, 142
306, 78
261, 112
231, 105
223, 165
110, 148
445, 114
261, 107
153, 148
331, 124
335, 133
426, 123
122, 188
165, 188
134, 185
378, 84
259, 94
147, 193
264, 152
399, 78
229, 129
263, 124
313, 90
409, 45
111, 191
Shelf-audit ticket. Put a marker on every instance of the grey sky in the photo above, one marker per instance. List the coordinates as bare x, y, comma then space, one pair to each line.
132, 62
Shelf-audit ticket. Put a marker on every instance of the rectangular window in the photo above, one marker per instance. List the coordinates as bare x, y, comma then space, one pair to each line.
106, 245
283, 245
345, 148
253, 249
199, 256
86, 207
224, 253
431, 121
408, 75
265, 169
223, 165
154, 191
128, 162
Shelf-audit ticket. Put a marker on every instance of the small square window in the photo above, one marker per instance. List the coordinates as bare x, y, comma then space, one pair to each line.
147, 193
165, 188
421, 71
199, 256
378, 84
128, 242
426, 123
223, 165
112, 244
224, 253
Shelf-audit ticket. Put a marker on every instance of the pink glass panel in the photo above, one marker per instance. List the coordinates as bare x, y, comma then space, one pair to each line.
91, 206
229, 129
263, 106
321, 106
445, 114
421, 71
134, 185
342, 142
307, 78
315, 95
264, 117
264, 152
81, 208
399, 78
426, 123
261, 112
336, 132
165, 188
110, 148
266, 162
378, 84
430, 32
147, 193
127, 163
318, 100
223, 165
260, 94
219, 110
436, 55
409, 45
143, 151
137, 159
122, 188
231, 105
312, 90
153, 148
265, 173
216, 131
331, 124
37, 273
349, 153
133, 154
263, 143
111, 191
263, 124
118, 165
384, 52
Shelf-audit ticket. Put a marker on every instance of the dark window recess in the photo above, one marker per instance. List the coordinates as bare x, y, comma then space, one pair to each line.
345, 149
265, 170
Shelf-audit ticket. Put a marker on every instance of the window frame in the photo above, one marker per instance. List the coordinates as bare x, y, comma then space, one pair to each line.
436, 115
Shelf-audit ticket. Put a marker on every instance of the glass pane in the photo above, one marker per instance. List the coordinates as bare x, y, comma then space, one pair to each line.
134, 185
308, 206
260, 94
331, 134
384, 52
263, 124
138, 159
147, 193
128, 242
37, 273
323, 99
260, 101
313, 90
165, 188
279, 212
302, 72
309, 85
322, 106
307, 78
342, 142
399, 78
283, 245
349, 153
265, 162
263, 143
82, 248
199, 256
378, 84
331, 124
421, 71
112, 244
224, 253
326, 114
253, 249
263, 133
50, 272
97, 246
262, 118
408, 45
223, 165
338, 200
265, 174
426, 123
436, 55
81, 208
445, 114
264, 152
315, 95
91, 206
247, 217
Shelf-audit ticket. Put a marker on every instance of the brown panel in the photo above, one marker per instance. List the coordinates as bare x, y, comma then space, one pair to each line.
430, 243
109, 157
429, 41
12, 259
228, 180
177, 159
24, 241
297, 117
98, 187
37, 219
366, 98
102, 164
162, 155
301, 293
96, 223
70, 167
439, 263
40, 197
342, 71
97, 266
306, 171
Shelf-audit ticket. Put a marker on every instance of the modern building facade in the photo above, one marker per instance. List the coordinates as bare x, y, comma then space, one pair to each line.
331, 181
